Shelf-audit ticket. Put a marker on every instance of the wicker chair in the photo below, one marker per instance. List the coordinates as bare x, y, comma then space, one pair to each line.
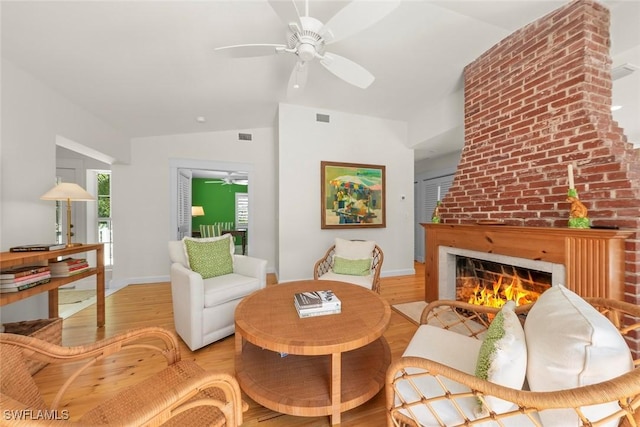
325, 265
181, 394
472, 321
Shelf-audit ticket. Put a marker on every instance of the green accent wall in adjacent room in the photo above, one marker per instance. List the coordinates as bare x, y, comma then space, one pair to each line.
218, 201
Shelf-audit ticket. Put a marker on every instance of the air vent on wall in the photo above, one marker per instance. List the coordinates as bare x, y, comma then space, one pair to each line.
623, 70
244, 137
324, 118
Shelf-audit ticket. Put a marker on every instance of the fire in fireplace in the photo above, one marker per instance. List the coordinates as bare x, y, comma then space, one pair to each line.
485, 282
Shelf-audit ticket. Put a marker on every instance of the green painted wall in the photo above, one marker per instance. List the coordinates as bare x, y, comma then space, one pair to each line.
218, 201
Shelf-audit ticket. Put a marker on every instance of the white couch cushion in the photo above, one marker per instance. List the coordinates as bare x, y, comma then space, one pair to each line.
502, 358
570, 344
229, 287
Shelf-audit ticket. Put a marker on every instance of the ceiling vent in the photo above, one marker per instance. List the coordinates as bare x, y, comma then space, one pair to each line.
324, 118
245, 137
623, 70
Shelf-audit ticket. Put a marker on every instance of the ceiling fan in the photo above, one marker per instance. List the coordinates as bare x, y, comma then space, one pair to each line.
307, 38
231, 178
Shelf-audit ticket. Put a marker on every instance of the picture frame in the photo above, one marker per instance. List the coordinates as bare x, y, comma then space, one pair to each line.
352, 195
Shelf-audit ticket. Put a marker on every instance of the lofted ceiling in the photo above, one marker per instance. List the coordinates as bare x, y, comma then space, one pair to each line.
149, 67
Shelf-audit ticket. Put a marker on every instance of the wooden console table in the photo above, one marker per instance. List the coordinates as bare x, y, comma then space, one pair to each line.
15, 259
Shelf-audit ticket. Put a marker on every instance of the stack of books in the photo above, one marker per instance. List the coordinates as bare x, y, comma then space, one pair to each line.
316, 303
23, 277
68, 267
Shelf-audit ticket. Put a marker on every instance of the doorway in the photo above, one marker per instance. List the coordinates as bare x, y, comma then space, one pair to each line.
220, 174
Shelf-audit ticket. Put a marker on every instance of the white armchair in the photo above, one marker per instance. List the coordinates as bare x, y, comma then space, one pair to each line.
203, 309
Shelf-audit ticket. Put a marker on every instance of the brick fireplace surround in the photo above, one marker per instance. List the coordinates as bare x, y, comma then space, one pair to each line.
535, 103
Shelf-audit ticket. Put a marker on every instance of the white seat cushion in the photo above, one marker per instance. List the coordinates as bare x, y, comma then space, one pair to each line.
364, 281
221, 289
459, 352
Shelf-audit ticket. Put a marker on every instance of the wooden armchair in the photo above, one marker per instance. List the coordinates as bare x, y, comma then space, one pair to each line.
325, 265
181, 394
410, 404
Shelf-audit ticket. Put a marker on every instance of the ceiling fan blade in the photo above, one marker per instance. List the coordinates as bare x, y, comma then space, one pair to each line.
298, 79
355, 17
249, 50
287, 11
347, 70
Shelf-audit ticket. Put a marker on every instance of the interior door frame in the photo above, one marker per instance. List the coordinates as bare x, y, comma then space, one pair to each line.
213, 165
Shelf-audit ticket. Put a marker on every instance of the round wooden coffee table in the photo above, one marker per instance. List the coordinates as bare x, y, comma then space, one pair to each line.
312, 366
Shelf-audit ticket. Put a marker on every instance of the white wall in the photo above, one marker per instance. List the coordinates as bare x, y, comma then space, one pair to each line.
33, 116
141, 197
352, 138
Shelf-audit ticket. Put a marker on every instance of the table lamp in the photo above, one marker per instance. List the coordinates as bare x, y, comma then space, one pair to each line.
197, 211
68, 191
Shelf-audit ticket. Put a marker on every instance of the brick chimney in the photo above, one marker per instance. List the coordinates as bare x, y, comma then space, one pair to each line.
535, 103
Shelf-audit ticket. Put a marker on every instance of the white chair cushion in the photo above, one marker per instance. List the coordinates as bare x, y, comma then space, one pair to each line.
351, 249
570, 344
456, 351
221, 289
364, 281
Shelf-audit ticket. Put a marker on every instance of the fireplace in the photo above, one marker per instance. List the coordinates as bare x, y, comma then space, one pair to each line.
589, 262
464, 273
485, 282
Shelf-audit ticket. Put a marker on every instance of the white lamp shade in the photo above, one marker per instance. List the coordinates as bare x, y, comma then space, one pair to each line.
67, 191
197, 211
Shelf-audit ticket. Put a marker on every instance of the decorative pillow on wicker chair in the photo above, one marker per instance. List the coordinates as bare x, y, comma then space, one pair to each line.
570, 344
352, 267
210, 257
354, 249
502, 358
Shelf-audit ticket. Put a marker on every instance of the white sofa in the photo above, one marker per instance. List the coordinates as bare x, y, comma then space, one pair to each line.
579, 369
203, 309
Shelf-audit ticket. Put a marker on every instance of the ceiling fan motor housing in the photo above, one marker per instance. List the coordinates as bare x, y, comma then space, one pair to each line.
308, 43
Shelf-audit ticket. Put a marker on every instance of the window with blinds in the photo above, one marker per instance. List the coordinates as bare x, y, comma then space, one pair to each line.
242, 210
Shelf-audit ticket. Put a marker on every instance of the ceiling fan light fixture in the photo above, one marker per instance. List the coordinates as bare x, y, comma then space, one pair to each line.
306, 51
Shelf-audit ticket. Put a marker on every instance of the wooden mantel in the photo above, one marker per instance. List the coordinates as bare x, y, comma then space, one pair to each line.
593, 259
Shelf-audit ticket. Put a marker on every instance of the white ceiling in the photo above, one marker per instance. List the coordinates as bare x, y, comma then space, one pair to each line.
148, 67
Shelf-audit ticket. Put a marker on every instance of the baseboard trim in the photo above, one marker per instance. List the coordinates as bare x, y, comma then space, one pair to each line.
402, 272
121, 283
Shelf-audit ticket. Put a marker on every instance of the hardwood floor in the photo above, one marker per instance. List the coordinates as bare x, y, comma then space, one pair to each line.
150, 305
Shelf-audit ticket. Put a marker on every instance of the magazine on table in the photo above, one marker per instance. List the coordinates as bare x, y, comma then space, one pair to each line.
316, 303
316, 299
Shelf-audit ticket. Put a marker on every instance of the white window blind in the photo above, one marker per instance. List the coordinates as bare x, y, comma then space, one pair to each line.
242, 210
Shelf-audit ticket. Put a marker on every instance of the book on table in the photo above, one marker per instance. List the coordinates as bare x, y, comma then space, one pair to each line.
24, 280
68, 266
313, 312
21, 286
316, 303
38, 247
22, 271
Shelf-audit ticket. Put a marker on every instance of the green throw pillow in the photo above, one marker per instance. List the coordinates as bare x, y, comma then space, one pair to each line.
352, 267
488, 347
502, 358
209, 259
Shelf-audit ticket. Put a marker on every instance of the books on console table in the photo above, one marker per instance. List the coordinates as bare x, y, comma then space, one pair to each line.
316, 303
22, 271
38, 247
21, 286
68, 267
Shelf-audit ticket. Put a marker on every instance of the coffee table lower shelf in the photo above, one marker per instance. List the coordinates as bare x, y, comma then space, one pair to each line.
300, 385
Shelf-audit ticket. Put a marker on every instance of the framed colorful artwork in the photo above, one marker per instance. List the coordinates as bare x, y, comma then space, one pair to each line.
352, 195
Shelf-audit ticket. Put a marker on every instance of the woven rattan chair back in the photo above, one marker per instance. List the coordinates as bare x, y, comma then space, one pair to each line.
325, 264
